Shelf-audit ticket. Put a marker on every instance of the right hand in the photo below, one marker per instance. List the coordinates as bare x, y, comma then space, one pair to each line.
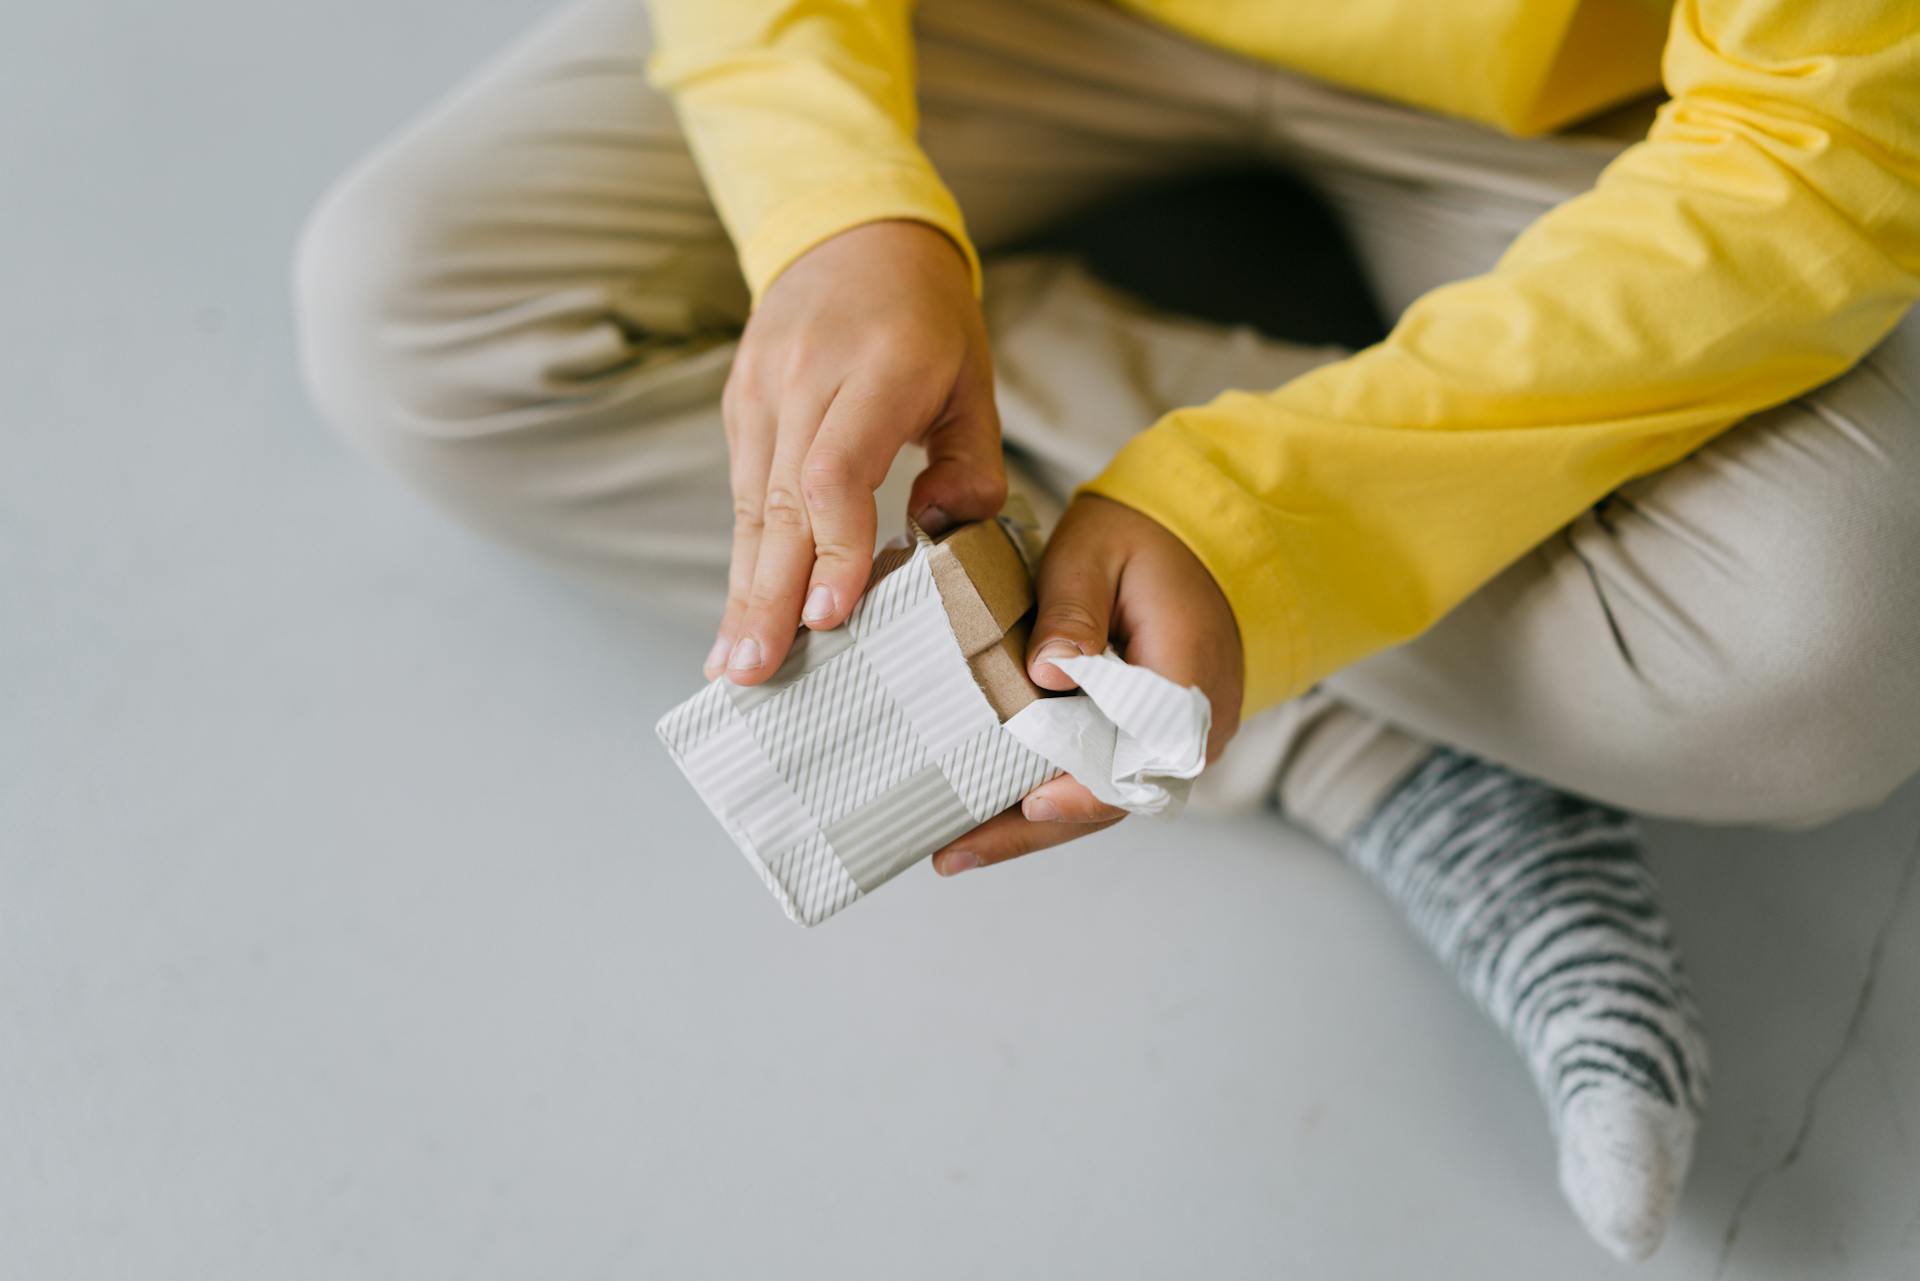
867, 342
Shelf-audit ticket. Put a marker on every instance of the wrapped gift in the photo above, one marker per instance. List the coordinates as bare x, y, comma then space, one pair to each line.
880, 741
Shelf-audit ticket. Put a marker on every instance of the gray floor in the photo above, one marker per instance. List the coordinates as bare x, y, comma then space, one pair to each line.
352, 924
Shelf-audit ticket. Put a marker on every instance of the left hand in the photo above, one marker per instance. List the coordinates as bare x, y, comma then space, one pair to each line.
1110, 573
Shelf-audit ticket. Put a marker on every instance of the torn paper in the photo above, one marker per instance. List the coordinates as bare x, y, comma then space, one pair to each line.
1134, 739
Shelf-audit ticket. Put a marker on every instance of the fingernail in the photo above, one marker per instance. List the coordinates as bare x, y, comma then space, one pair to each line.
1053, 651
717, 655
958, 861
1038, 809
934, 519
819, 603
745, 656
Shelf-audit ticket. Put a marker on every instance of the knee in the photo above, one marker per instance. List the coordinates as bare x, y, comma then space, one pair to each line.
344, 291
346, 287
1809, 708
1779, 750
364, 273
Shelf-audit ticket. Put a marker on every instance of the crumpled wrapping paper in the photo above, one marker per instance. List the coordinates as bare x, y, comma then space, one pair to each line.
1131, 736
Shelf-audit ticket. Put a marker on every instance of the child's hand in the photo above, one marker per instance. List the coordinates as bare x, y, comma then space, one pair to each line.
1110, 572
869, 341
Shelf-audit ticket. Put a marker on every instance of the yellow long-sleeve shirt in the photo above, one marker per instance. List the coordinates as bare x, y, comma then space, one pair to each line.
1762, 239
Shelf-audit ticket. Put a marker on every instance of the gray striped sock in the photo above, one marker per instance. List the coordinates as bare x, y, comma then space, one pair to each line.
1544, 909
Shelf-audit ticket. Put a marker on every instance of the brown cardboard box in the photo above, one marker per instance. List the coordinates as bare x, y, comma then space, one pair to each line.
987, 591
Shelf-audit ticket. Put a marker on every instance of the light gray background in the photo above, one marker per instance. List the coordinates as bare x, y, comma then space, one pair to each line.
352, 923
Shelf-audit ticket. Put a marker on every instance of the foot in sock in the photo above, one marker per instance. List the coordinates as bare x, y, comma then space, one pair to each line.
1544, 909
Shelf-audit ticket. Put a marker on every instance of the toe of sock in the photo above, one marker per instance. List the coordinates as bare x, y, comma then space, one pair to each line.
1622, 1159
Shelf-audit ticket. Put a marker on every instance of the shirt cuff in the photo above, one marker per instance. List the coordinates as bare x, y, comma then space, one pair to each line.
1163, 477
910, 194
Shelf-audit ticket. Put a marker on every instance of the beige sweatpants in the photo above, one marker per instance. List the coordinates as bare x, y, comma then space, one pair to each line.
526, 305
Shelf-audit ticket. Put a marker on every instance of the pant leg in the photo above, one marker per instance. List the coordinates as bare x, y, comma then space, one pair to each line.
1731, 639
527, 307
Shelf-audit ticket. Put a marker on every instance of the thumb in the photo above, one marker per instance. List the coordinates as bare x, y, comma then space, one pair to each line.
1076, 588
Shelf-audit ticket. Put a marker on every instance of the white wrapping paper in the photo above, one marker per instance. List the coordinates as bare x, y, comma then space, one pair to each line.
1133, 737
872, 746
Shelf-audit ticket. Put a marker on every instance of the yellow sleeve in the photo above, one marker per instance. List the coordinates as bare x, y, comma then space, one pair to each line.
1760, 241
800, 114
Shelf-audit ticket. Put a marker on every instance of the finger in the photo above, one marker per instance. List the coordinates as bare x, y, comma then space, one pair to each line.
1186, 646
785, 553
746, 543
849, 459
750, 429
1008, 835
1067, 800
1076, 586
966, 473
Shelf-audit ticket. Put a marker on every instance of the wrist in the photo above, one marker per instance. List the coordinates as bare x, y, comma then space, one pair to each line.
889, 195
1223, 528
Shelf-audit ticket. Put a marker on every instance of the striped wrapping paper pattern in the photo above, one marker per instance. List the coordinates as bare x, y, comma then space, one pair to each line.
868, 750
